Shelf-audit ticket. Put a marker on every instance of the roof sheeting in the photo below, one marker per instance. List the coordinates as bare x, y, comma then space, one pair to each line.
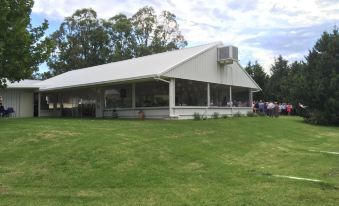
137, 68
24, 84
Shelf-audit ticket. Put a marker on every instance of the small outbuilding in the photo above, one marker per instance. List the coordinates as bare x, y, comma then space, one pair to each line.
22, 97
204, 79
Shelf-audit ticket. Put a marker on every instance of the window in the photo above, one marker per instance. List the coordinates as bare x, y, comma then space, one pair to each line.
190, 93
219, 95
48, 101
152, 94
240, 97
118, 96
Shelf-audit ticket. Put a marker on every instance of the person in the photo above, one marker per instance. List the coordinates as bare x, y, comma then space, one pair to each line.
266, 111
270, 109
256, 106
2, 110
283, 109
289, 108
276, 109
253, 107
261, 105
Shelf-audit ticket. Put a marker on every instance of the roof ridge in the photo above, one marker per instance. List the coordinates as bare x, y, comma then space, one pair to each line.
156, 54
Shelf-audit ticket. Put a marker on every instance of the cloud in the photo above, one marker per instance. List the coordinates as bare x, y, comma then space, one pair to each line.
261, 29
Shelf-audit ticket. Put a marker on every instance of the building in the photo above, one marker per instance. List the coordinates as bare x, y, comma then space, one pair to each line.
22, 97
203, 79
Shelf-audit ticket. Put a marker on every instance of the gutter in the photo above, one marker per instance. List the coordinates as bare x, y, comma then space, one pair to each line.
163, 80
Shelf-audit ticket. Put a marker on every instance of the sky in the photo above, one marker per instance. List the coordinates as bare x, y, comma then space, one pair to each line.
261, 29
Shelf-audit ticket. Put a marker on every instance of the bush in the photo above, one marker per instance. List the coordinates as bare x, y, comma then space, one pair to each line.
261, 114
224, 116
215, 115
251, 114
203, 117
238, 114
321, 118
196, 116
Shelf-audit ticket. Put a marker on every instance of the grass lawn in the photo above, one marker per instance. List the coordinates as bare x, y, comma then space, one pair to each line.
130, 162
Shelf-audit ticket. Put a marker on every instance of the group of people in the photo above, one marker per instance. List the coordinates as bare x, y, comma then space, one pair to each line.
272, 109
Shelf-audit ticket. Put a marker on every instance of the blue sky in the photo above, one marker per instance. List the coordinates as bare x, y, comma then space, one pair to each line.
261, 29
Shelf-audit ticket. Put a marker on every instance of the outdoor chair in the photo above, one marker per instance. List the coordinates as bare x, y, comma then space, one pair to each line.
2, 111
10, 112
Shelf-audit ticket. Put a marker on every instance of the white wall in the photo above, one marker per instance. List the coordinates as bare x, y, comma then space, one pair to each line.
187, 112
204, 67
150, 113
21, 100
179, 112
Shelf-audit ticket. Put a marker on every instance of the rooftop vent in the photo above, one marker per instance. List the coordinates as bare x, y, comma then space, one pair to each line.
227, 54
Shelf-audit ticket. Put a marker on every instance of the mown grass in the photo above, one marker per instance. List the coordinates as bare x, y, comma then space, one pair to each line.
129, 162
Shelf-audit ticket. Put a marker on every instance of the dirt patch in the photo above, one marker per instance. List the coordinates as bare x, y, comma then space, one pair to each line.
329, 134
54, 134
202, 132
192, 166
88, 193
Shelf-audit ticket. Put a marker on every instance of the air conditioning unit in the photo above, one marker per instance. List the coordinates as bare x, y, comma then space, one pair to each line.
227, 54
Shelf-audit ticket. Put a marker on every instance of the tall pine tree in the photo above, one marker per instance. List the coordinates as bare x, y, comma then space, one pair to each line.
320, 83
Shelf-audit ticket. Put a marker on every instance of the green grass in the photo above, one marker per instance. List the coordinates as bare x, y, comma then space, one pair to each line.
129, 162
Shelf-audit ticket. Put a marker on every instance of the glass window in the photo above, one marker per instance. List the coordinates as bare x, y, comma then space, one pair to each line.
74, 103
190, 93
48, 101
152, 94
240, 96
118, 96
78, 103
219, 95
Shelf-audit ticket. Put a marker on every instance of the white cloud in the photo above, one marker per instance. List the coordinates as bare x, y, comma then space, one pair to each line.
233, 22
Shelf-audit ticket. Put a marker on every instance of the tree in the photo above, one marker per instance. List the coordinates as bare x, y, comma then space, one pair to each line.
155, 34
122, 40
296, 82
278, 84
320, 84
258, 74
22, 47
81, 41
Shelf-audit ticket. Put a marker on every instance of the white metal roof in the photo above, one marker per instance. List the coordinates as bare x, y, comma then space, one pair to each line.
24, 84
137, 68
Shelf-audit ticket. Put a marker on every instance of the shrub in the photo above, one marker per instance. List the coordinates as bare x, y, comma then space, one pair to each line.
251, 114
215, 115
321, 118
238, 114
261, 114
224, 116
196, 116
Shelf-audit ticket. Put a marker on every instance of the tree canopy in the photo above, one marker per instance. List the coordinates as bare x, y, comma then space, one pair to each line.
256, 71
22, 47
83, 40
320, 80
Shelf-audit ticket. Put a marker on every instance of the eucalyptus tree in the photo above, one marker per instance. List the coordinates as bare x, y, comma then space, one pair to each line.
22, 47
81, 41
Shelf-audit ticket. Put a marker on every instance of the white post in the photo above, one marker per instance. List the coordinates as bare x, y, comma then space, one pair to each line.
208, 95
172, 97
39, 103
133, 96
99, 101
231, 100
251, 97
